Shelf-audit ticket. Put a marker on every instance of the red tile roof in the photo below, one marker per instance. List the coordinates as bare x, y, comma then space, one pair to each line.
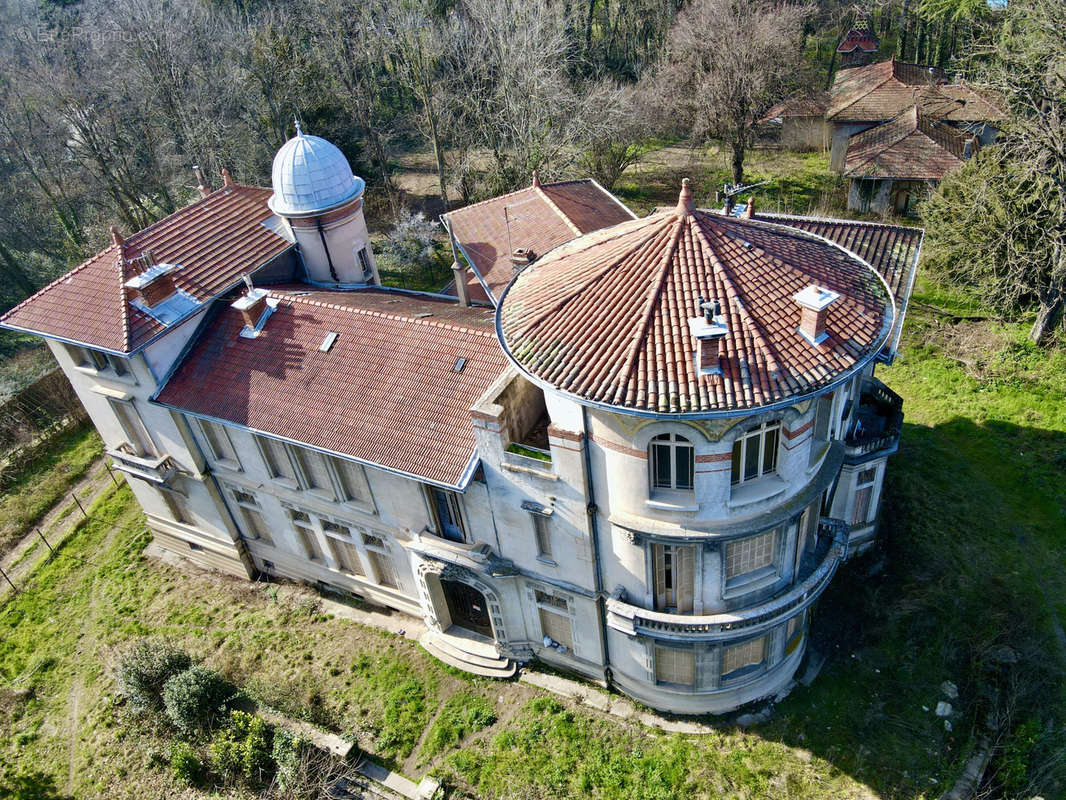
859, 39
386, 393
892, 250
879, 92
909, 147
539, 217
605, 317
799, 106
215, 240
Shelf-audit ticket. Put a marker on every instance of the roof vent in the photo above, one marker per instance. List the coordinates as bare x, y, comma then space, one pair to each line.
709, 329
814, 302
328, 342
522, 257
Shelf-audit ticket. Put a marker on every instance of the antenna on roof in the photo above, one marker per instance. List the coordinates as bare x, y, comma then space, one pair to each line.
296, 121
731, 190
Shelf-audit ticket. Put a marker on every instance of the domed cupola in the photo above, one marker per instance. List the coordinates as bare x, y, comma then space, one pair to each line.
316, 192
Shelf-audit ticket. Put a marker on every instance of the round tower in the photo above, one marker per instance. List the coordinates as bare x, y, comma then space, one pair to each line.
322, 201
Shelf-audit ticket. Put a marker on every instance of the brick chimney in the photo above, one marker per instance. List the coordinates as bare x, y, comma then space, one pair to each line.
814, 302
155, 283
521, 257
709, 330
254, 309
749, 209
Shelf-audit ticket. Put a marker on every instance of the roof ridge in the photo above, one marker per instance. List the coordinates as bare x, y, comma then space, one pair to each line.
294, 298
61, 279
514, 192
551, 204
187, 209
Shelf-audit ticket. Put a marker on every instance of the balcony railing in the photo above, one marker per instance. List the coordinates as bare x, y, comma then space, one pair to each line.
154, 469
878, 420
634, 620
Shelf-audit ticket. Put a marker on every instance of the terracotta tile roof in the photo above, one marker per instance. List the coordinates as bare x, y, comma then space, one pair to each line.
605, 317
879, 92
799, 106
386, 393
892, 250
215, 240
908, 147
540, 217
859, 39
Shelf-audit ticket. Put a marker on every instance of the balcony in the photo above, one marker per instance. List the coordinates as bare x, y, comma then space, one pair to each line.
878, 422
159, 470
815, 571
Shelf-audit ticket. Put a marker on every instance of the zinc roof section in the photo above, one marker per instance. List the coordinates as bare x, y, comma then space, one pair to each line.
909, 146
385, 393
539, 218
605, 318
215, 240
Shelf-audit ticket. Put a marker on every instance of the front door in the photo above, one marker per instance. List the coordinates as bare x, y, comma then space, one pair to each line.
467, 607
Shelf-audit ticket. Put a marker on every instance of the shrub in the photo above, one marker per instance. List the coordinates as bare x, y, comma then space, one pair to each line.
242, 750
186, 764
196, 698
290, 755
144, 668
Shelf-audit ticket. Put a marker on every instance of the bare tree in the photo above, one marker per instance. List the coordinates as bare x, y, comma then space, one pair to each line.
728, 62
618, 141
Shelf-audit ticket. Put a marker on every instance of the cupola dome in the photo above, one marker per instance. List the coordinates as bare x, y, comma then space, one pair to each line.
311, 175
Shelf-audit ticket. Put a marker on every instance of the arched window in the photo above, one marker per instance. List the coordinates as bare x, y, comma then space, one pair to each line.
671, 462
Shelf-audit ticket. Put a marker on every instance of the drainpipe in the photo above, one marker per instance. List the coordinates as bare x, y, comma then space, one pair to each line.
594, 514
329, 259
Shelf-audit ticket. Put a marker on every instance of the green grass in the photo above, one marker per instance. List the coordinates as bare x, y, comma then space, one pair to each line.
528, 452
462, 714
42, 483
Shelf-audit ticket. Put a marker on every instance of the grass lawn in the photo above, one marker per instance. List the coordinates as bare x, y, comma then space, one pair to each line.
972, 563
41, 484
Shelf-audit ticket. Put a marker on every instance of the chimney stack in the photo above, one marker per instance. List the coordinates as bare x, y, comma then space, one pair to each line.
116, 237
709, 330
814, 302
522, 257
227, 179
749, 209
155, 283
254, 309
462, 291
200, 185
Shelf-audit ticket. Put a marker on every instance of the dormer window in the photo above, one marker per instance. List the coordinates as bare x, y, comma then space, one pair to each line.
672, 463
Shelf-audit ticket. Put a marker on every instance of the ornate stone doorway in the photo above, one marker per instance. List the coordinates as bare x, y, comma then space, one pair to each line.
467, 607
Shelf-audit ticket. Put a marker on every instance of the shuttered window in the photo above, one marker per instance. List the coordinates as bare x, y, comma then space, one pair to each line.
675, 665
254, 526
176, 506
345, 553
218, 444
542, 531
744, 655
136, 434
380, 560
556, 627
305, 533
750, 554
316, 473
674, 567
277, 459
864, 493
353, 481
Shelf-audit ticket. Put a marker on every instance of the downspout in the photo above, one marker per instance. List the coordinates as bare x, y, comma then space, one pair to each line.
329, 259
594, 513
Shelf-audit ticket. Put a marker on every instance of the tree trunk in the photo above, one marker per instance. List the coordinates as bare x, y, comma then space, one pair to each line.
739, 151
1052, 301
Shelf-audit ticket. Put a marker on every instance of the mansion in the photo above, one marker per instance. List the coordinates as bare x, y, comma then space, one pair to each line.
633, 448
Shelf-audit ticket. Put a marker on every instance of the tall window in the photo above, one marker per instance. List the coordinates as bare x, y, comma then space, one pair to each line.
218, 443
554, 619
675, 665
277, 459
543, 534
136, 434
864, 493
820, 436
446, 513
671, 462
364, 262
743, 657
344, 551
674, 567
255, 526
316, 476
751, 554
380, 559
352, 477
305, 533
755, 452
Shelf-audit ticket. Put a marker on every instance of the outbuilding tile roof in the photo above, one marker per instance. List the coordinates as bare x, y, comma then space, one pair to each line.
605, 318
215, 240
538, 218
859, 39
878, 92
910, 147
387, 392
799, 106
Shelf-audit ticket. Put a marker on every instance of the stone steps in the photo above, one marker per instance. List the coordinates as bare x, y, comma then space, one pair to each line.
467, 654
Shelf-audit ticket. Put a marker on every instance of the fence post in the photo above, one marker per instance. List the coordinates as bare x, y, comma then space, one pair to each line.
76, 500
13, 586
111, 473
51, 549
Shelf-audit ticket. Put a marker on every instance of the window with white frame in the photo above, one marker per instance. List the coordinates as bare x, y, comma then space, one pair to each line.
137, 437
276, 456
344, 550
672, 463
675, 665
306, 534
543, 535
352, 479
554, 613
674, 575
755, 452
743, 657
820, 435
750, 555
380, 560
864, 493
251, 515
219, 446
87, 358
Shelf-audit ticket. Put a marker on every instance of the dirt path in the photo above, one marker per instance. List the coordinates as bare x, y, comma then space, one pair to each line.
56, 525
